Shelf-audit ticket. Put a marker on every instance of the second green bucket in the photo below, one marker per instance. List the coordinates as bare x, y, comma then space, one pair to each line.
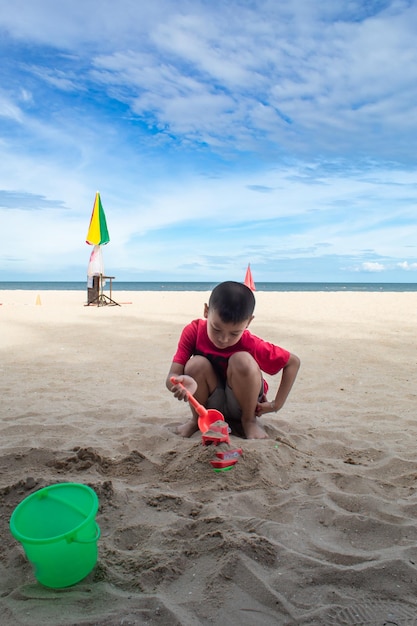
57, 529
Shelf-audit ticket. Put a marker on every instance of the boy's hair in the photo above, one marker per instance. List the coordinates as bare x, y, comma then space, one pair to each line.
233, 301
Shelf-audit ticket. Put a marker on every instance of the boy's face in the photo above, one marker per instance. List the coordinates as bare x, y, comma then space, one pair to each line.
223, 334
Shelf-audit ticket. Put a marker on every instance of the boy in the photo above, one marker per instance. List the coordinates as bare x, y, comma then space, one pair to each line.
220, 362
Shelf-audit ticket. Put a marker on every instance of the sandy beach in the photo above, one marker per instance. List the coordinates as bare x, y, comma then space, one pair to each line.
314, 526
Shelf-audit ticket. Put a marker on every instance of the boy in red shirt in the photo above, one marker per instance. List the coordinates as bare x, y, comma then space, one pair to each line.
221, 363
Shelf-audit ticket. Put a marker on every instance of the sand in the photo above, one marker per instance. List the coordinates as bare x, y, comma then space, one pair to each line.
314, 526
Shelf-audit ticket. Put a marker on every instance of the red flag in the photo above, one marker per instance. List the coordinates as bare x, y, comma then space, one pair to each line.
249, 280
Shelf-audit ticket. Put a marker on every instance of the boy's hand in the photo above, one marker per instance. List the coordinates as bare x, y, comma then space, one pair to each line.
189, 383
289, 375
265, 407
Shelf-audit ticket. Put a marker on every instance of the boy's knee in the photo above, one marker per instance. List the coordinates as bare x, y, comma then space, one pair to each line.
242, 363
196, 365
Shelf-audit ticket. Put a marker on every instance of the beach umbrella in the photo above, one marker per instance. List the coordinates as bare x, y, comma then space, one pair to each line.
97, 236
249, 279
97, 231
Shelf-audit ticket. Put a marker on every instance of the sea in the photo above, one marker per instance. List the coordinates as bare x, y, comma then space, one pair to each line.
206, 286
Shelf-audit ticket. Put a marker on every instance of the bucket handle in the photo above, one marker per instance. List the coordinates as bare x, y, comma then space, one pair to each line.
96, 538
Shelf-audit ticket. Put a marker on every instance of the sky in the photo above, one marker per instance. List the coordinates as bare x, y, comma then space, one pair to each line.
277, 133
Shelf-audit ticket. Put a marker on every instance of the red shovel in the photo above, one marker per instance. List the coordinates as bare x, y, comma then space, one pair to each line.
206, 417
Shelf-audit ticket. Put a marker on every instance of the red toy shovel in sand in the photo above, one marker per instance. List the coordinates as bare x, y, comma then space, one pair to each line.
208, 419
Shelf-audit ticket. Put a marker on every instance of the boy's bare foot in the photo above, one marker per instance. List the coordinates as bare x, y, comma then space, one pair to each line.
254, 431
188, 429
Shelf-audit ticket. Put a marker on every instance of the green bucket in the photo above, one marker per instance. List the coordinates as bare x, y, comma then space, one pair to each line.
57, 529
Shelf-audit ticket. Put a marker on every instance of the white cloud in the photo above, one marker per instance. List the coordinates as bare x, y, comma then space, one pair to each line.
405, 265
372, 267
9, 109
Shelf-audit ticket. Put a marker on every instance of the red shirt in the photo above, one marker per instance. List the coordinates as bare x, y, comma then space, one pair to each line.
194, 340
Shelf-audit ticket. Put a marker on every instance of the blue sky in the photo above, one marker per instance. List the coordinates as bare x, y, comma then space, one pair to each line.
218, 133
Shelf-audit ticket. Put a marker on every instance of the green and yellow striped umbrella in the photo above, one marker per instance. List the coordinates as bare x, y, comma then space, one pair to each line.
97, 232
